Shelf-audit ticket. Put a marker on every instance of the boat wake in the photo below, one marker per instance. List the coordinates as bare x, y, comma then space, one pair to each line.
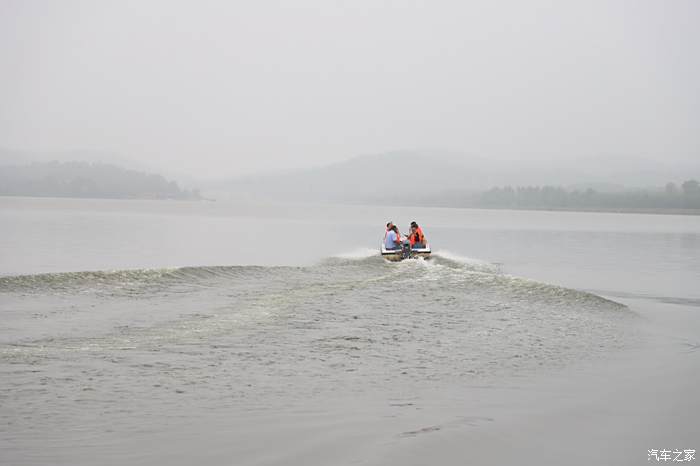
355, 321
444, 273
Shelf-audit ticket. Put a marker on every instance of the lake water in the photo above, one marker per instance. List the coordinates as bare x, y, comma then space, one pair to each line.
125, 321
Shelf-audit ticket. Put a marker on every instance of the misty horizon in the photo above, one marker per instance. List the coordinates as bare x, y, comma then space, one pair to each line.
214, 90
593, 169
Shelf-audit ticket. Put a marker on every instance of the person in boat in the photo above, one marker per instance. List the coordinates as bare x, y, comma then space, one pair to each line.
416, 237
392, 240
389, 226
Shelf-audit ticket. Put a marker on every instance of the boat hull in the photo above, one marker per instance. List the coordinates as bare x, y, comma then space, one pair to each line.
396, 255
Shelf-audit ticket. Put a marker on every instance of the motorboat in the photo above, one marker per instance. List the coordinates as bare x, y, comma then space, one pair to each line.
405, 252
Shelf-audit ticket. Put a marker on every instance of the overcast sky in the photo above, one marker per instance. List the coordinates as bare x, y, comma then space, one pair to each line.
219, 88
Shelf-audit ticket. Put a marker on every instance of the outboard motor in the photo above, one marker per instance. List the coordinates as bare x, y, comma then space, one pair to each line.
405, 250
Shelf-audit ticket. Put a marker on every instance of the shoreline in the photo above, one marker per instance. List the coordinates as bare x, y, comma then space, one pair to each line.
602, 210
208, 200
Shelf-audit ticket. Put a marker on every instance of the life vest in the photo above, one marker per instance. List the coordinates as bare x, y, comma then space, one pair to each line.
417, 237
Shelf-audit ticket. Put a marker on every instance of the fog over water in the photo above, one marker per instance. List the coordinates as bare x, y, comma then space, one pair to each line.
216, 89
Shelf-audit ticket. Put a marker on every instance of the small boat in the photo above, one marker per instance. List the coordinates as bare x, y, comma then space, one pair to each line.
406, 252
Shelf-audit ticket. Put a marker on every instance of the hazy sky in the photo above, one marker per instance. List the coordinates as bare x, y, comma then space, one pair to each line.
218, 88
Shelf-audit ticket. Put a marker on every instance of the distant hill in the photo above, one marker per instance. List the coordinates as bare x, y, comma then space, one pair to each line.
88, 180
423, 178
388, 176
15, 157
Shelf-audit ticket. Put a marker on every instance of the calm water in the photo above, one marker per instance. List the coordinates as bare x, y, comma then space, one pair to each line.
122, 318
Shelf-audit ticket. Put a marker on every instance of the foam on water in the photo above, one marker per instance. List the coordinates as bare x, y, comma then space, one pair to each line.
283, 335
361, 266
359, 253
470, 262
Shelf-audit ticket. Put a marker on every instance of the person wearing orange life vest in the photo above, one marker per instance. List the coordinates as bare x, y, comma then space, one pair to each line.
416, 237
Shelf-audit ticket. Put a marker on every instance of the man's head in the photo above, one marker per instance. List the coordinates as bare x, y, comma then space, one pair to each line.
389, 225
414, 225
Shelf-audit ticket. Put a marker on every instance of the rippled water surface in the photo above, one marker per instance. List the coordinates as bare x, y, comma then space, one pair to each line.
280, 334
128, 348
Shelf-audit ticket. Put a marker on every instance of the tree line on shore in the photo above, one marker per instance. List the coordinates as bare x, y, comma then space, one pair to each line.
99, 180
672, 196
87, 180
